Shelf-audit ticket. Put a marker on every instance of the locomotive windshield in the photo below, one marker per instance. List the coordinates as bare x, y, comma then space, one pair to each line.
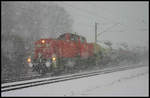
74, 37
83, 40
62, 37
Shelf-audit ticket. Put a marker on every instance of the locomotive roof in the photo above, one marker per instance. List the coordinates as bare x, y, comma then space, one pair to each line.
72, 34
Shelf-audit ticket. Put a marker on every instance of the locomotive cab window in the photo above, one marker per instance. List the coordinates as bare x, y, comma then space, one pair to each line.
82, 39
74, 37
62, 37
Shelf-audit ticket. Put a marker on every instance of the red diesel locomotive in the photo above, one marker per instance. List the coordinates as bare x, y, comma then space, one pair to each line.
64, 52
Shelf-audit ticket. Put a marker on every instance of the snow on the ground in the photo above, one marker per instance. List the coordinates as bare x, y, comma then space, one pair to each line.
133, 82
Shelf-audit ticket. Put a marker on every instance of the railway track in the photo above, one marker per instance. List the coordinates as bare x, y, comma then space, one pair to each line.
36, 82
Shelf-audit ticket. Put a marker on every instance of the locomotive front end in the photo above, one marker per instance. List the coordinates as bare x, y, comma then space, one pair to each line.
43, 59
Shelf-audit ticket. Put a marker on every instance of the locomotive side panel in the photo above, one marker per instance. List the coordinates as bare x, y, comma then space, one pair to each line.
68, 49
86, 50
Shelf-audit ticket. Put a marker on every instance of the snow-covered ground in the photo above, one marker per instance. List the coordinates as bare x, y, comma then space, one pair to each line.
132, 82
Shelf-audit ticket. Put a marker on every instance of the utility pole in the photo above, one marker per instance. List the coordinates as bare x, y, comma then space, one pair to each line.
96, 32
75, 33
96, 41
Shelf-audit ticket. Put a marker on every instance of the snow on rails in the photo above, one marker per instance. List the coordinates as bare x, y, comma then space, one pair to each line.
36, 82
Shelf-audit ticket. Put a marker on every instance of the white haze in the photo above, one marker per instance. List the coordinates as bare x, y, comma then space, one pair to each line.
128, 21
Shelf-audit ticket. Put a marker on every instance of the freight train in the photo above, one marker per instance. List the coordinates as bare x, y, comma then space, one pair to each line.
65, 52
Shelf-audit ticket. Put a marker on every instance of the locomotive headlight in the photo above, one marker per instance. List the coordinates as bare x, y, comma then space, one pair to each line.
43, 41
29, 60
53, 59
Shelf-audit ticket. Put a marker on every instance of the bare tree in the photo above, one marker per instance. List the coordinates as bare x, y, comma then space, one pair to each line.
25, 22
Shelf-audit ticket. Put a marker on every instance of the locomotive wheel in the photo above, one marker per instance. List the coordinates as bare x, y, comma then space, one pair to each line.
42, 70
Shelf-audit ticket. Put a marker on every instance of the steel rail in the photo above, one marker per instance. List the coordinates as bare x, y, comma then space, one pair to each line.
64, 78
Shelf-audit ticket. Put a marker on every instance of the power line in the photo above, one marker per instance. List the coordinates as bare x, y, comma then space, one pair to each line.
96, 15
83, 10
110, 14
83, 15
91, 13
142, 20
108, 29
79, 9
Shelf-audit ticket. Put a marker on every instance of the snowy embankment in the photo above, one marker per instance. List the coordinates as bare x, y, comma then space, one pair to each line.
132, 82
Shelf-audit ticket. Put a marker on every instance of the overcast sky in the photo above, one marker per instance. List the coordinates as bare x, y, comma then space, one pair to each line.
121, 21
